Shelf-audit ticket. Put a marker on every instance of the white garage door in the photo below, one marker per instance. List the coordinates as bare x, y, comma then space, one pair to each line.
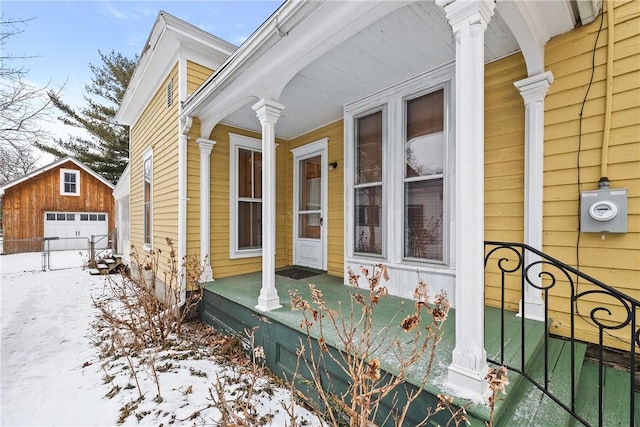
74, 229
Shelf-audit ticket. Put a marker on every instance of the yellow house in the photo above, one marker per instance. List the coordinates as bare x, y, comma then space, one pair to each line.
420, 135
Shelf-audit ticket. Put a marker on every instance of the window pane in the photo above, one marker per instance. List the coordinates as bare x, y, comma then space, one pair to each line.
245, 170
147, 223
93, 217
51, 217
424, 154
423, 219
257, 175
71, 217
84, 217
368, 221
369, 148
60, 217
249, 225
101, 217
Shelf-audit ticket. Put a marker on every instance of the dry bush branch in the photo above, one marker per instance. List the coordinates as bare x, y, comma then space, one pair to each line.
358, 348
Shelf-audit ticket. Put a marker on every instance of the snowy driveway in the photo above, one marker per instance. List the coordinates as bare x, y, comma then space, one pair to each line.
45, 319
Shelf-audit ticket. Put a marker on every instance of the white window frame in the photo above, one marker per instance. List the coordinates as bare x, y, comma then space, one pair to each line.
235, 143
392, 102
62, 182
147, 155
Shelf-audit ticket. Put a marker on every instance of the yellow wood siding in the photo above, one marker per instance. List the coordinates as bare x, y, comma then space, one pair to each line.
504, 165
221, 263
335, 208
616, 259
193, 191
157, 127
196, 74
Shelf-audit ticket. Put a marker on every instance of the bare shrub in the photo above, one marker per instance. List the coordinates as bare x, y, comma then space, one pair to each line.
498, 382
141, 312
236, 392
360, 346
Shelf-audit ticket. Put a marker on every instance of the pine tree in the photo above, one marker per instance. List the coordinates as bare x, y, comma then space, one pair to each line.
106, 150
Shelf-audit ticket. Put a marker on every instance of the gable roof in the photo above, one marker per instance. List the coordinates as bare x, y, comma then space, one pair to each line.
170, 39
53, 166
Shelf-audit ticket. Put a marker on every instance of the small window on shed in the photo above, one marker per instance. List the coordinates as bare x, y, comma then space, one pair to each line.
69, 182
169, 93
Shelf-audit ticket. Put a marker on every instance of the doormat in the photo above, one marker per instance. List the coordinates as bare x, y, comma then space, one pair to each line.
295, 273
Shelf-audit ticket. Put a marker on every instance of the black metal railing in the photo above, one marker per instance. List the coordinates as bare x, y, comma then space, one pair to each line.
608, 312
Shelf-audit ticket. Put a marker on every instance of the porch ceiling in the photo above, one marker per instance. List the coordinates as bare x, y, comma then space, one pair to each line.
404, 43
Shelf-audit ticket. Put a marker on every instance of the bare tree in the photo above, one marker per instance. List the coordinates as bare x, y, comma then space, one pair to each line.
23, 107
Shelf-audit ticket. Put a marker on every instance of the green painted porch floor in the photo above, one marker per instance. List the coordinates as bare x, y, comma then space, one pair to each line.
244, 290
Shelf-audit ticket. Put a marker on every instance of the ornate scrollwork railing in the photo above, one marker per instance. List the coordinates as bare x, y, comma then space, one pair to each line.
598, 306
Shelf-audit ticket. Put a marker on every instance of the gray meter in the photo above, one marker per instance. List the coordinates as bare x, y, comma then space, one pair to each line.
604, 211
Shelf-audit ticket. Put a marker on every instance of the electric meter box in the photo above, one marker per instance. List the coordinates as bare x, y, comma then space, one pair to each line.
604, 211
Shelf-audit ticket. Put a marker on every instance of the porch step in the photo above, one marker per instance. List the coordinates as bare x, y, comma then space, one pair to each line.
615, 402
107, 265
528, 405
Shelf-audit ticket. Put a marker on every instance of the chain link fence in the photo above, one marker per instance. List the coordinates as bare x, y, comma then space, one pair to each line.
21, 255
41, 254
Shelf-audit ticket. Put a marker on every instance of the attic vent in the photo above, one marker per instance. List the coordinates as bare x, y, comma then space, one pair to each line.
169, 93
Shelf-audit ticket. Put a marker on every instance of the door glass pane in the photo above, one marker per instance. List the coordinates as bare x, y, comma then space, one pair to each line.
309, 226
310, 184
369, 148
424, 153
249, 225
310, 197
368, 221
423, 219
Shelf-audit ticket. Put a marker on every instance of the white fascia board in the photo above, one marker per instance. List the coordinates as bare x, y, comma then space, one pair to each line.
122, 186
168, 36
52, 166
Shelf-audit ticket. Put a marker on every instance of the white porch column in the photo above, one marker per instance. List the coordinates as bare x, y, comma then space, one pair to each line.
268, 113
205, 146
533, 90
469, 20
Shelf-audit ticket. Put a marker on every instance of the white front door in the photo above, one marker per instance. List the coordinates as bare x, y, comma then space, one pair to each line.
310, 201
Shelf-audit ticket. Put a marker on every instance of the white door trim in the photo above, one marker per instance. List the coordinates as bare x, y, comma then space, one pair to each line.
319, 147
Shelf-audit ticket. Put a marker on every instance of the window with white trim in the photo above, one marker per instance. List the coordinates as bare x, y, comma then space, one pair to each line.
147, 201
398, 150
369, 227
69, 182
424, 176
245, 196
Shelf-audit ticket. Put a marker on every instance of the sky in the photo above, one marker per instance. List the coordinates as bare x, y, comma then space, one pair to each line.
63, 37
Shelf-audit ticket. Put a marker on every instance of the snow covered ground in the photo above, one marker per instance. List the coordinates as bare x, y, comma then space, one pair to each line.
52, 374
